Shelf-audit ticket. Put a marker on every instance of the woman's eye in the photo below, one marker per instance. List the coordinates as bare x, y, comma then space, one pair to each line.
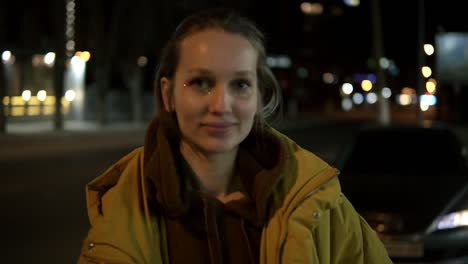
201, 84
243, 88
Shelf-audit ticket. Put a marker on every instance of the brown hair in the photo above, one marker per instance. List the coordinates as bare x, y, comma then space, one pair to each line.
229, 21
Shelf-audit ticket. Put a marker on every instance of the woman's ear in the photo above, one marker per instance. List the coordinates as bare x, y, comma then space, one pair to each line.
166, 94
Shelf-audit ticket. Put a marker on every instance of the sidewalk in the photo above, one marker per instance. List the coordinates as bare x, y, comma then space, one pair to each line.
35, 139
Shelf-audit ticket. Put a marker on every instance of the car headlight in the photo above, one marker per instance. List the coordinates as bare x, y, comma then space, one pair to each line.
453, 220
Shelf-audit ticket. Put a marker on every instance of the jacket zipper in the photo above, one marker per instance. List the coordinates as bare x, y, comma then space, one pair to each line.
305, 197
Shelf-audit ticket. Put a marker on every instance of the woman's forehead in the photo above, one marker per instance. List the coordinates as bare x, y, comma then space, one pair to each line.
217, 49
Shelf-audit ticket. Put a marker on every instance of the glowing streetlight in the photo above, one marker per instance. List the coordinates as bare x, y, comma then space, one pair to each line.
26, 95
366, 85
70, 95
311, 9
6, 55
41, 95
428, 49
347, 88
49, 58
426, 71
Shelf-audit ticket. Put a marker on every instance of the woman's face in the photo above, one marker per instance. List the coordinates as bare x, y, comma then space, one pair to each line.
214, 90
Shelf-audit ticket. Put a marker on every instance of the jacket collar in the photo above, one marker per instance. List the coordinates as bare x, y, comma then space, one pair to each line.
167, 172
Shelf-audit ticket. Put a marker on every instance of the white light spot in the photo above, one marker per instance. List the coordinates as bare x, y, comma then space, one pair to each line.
371, 98
386, 92
428, 49
26, 94
347, 88
41, 95
6, 55
346, 104
358, 98
49, 58
70, 95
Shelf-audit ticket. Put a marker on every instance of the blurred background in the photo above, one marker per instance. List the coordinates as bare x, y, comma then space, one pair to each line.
76, 90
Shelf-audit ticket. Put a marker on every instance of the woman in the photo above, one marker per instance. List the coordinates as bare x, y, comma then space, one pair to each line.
214, 183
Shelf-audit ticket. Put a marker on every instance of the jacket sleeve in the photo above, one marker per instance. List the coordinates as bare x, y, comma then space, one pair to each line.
352, 239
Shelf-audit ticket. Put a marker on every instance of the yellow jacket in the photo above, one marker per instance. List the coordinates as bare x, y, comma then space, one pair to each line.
315, 223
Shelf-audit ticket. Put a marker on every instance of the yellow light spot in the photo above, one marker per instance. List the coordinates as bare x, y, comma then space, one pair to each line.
6, 100
17, 111
426, 71
366, 85
430, 87
17, 100
34, 111
85, 56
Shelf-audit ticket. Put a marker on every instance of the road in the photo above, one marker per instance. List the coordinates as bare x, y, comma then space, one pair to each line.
44, 174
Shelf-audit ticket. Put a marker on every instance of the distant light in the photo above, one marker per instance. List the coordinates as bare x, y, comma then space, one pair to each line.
49, 58
366, 85
426, 71
70, 95
70, 45
408, 91
85, 56
424, 107
429, 49
26, 95
453, 220
279, 61
70, 6
284, 62
428, 99
302, 72
347, 88
384, 63
142, 61
77, 64
6, 100
358, 98
371, 98
41, 95
352, 3
328, 78
271, 62
37, 60
386, 92
346, 104
404, 99
6, 56
311, 9
430, 87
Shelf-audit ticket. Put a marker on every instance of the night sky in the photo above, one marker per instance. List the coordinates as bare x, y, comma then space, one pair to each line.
326, 42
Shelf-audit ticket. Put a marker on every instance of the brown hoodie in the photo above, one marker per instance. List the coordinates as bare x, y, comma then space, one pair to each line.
200, 228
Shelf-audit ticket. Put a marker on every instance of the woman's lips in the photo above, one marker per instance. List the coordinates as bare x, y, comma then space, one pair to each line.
218, 128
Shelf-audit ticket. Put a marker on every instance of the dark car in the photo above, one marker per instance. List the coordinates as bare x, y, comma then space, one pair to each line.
411, 185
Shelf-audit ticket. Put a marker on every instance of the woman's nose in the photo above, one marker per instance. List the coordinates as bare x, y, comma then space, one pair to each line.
220, 99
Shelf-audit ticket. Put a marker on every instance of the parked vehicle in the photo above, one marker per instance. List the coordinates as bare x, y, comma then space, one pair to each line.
411, 185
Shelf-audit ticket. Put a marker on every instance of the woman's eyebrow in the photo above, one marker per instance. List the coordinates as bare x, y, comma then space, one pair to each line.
245, 73
200, 71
